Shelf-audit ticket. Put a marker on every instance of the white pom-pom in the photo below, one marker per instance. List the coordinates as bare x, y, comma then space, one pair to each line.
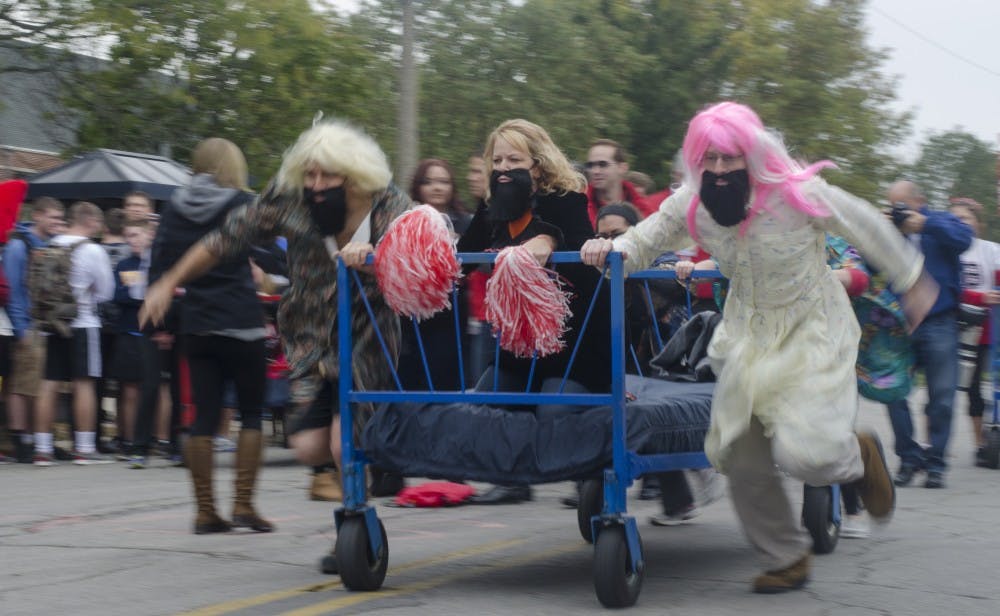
415, 263
526, 305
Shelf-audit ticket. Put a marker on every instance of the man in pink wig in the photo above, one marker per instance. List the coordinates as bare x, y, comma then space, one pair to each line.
785, 350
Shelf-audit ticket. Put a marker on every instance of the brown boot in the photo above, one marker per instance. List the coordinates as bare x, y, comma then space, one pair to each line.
875, 487
248, 455
792, 577
326, 486
198, 455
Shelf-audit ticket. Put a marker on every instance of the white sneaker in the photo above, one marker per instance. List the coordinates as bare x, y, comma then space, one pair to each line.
223, 444
855, 527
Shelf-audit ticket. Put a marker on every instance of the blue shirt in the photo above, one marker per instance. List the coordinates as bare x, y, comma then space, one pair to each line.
15, 267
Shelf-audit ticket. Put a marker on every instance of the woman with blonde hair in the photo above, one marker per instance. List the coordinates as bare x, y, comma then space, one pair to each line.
332, 197
221, 323
535, 199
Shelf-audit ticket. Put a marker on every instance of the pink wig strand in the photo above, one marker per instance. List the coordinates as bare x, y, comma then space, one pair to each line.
735, 129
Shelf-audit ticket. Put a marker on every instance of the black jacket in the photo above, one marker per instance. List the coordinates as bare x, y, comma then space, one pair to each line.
127, 319
565, 218
224, 298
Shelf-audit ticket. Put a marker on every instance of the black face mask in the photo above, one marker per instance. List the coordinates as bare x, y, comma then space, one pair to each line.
509, 200
329, 213
727, 204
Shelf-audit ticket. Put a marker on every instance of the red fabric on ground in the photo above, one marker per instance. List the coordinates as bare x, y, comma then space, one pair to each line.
435, 494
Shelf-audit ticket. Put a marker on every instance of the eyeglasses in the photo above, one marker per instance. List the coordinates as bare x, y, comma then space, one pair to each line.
710, 160
600, 164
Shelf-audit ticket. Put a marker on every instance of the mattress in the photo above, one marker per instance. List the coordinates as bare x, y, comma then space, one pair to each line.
514, 447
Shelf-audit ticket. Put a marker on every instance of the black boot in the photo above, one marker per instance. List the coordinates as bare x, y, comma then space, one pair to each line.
385, 483
502, 495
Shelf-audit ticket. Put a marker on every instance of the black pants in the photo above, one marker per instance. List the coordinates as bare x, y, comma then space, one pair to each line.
674, 492
149, 398
976, 402
214, 359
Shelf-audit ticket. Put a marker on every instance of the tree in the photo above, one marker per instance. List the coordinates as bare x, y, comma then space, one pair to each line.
686, 58
806, 68
958, 164
255, 72
35, 31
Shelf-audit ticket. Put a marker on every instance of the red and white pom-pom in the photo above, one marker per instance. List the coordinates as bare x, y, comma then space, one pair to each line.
415, 263
525, 305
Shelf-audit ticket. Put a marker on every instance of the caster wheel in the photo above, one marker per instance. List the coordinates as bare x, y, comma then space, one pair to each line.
817, 517
617, 585
359, 568
591, 504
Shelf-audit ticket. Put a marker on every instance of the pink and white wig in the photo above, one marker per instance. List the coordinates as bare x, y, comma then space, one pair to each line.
735, 129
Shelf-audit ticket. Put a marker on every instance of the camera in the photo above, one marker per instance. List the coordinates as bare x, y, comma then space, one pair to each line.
899, 214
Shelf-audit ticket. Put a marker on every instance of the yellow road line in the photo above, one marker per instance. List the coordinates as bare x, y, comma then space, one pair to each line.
278, 595
319, 609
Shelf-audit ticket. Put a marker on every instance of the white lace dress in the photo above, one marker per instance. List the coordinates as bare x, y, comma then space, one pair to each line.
785, 349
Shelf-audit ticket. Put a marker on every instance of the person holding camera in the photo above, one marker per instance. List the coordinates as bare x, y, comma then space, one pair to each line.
942, 238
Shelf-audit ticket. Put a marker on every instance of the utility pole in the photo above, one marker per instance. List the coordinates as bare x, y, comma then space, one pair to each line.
407, 120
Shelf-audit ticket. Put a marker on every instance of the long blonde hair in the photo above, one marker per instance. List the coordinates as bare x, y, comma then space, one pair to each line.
221, 159
340, 147
555, 172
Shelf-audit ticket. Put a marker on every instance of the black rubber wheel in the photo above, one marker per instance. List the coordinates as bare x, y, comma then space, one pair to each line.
359, 568
817, 517
617, 585
992, 448
591, 504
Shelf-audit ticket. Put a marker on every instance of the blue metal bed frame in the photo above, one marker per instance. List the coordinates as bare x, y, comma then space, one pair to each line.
626, 465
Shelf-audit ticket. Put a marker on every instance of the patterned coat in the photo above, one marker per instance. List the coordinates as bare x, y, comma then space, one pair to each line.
307, 313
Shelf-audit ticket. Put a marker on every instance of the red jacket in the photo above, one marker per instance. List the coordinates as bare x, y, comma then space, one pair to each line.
645, 205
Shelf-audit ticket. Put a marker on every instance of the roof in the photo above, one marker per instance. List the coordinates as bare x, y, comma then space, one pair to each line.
110, 174
31, 115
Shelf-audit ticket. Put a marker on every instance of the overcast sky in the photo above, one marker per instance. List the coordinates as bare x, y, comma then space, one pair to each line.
947, 55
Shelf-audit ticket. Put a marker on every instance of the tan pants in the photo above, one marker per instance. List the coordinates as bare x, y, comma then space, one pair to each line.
28, 360
760, 499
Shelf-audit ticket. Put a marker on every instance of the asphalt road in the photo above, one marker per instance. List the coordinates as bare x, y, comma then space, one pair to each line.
108, 540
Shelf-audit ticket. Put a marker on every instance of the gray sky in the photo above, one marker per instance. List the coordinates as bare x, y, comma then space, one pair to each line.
947, 55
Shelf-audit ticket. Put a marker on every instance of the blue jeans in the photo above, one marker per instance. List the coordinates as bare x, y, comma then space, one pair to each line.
935, 343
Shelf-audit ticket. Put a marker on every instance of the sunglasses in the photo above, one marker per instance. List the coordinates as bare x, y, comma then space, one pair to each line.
600, 164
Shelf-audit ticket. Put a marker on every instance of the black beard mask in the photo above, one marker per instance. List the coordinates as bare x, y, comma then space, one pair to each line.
329, 213
509, 200
727, 204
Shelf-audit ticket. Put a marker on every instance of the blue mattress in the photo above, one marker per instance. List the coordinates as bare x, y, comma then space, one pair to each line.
482, 443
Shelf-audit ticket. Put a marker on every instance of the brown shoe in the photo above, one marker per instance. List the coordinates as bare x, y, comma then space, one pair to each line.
875, 487
326, 487
792, 577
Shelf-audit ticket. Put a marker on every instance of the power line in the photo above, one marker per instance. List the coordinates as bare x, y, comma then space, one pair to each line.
931, 41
